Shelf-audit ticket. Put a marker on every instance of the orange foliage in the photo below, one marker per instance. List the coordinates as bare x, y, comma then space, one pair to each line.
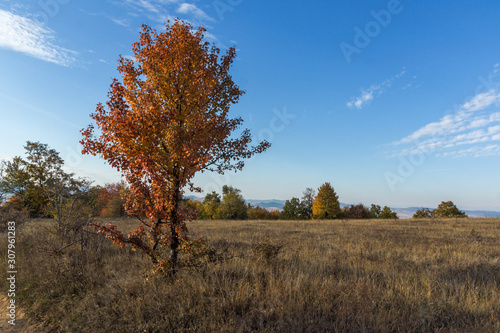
110, 200
165, 122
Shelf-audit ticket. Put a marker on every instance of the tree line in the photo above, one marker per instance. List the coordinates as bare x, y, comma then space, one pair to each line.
323, 205
445, 209
39, 186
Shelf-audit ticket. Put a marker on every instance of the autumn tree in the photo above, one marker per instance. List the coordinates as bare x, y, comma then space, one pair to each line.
210, 205
326, 203
232, 206
258, 213
165, 121
447, 209
356, 212
111, 199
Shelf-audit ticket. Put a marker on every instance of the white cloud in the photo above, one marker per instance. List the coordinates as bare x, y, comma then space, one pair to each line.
375, 90
495, 117
365, 98
162, 11
462, 120
130, 57
121, 22
482, 101
471, 124
24, 35
188, 8
494, 129
478, 151
145, 5
210, 36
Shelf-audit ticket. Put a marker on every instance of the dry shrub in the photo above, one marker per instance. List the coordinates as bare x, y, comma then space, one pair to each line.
266, 250
8, 214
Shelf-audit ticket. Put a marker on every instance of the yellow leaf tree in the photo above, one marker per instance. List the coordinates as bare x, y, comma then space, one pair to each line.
326, 203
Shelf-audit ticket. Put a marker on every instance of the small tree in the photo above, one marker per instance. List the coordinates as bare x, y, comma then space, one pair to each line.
39, 182
422, 213
447, 209
307, 203
210, 206
387, 213
326, 203
111, 199
257, 213
232, 206
356, 212
291, 209
28, 179
167, 121
375, 211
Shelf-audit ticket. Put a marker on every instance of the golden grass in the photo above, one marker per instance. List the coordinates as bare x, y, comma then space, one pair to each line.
327, 276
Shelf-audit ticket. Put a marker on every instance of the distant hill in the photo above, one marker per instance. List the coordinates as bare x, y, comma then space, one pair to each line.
482, 213
271, 203
408, 212
194, 197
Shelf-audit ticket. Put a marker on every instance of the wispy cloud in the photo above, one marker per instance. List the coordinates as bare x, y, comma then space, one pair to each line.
147, 5
413, 84
474, 123
24, 35
375, 90
188, 8
161, 11
121, 22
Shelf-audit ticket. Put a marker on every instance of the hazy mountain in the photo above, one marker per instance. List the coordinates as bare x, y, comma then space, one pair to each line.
271, 203
408, 212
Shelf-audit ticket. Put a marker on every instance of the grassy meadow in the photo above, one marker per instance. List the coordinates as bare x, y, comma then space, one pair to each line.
272, 276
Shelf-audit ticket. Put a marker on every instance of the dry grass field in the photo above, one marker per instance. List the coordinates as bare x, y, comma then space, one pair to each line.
274, 276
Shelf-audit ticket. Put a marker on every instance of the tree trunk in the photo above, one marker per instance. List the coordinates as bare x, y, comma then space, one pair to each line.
174, 223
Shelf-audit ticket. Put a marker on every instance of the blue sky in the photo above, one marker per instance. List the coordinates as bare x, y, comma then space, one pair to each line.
392, 102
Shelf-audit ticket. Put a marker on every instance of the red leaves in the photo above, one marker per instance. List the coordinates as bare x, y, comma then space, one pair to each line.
112, 233
166, 121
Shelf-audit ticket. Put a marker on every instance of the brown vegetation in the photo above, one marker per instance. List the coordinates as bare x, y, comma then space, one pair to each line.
285, 276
